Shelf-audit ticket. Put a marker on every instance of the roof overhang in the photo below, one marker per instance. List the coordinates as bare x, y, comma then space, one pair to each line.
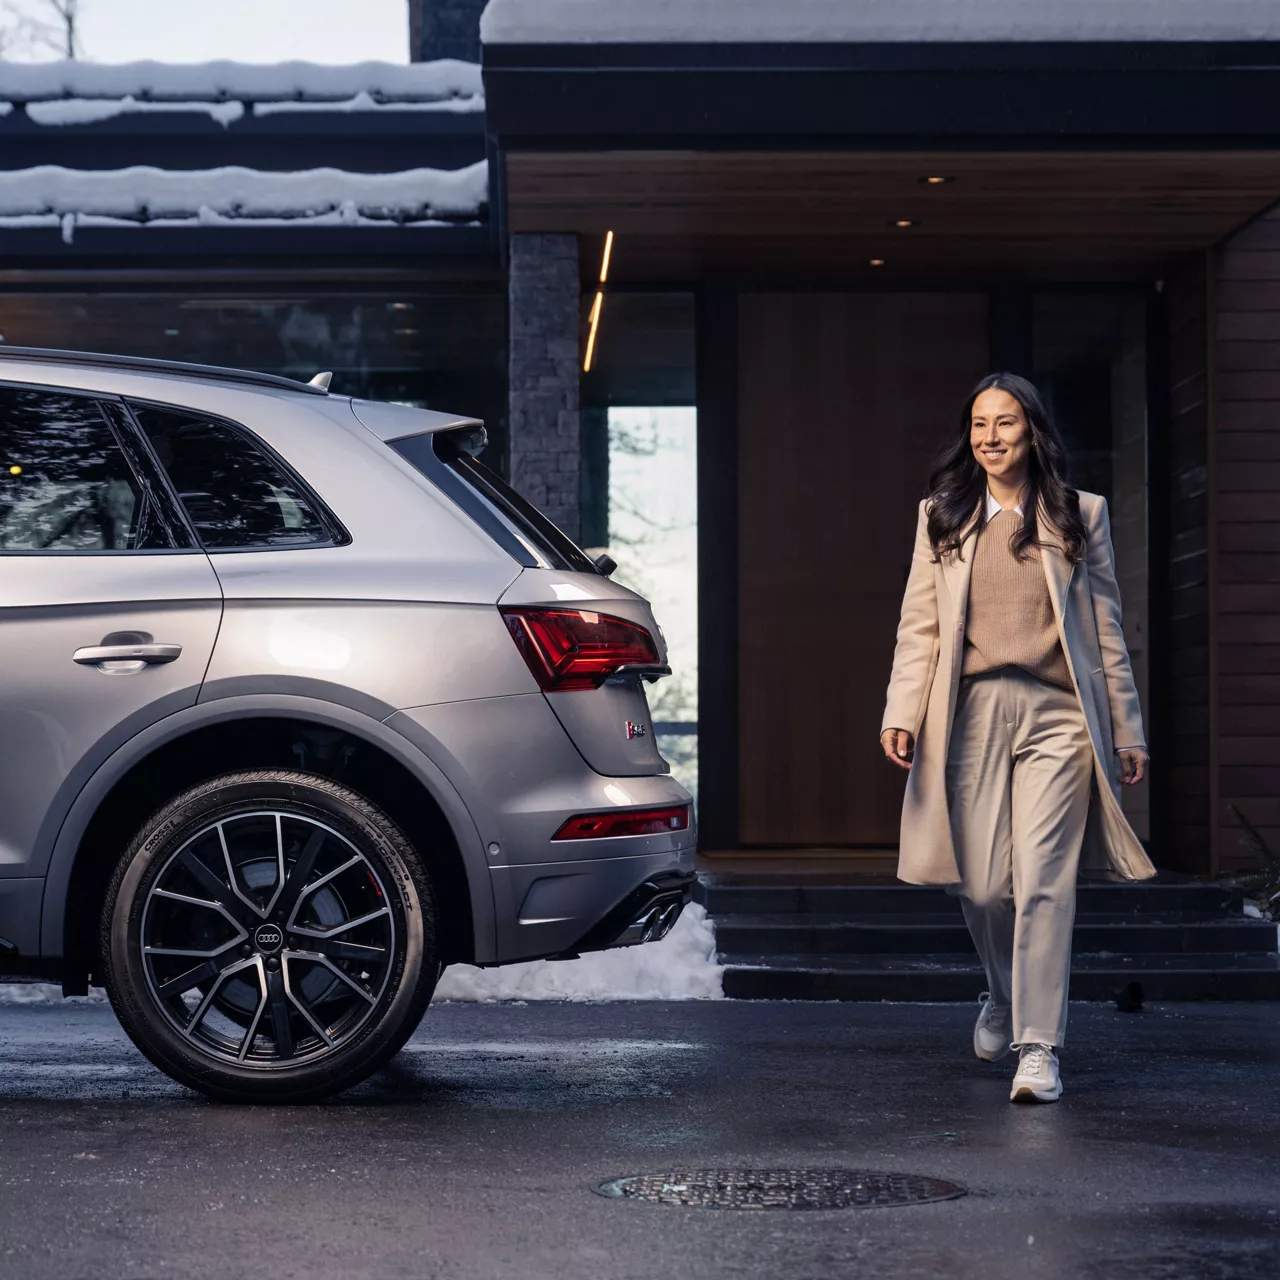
681, 215
882, 73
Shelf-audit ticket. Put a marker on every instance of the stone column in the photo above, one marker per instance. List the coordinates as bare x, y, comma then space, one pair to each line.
545, 436
445, 29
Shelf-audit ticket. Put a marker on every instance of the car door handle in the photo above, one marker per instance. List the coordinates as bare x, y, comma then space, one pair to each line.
144, 654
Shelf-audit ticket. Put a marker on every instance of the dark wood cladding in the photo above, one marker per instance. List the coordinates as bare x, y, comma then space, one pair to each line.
788, 215
1245, 510
1185, 702
843, 398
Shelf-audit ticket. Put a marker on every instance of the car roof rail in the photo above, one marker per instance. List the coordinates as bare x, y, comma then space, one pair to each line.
140, 364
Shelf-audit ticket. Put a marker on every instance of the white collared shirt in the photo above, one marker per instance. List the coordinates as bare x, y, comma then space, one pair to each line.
994, 508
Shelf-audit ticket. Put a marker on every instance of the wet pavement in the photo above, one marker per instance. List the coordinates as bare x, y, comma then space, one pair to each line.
476, 1152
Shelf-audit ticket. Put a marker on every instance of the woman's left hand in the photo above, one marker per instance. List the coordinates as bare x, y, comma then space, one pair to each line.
1133, 766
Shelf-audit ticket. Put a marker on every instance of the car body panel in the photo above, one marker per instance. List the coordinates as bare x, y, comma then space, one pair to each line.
20, 913
321, 713
60, 718
610, 726
377, 656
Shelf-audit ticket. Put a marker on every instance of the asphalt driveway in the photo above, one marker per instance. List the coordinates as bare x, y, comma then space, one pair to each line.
476, 1153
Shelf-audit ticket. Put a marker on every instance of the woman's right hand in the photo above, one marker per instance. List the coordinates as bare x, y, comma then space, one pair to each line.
898, 745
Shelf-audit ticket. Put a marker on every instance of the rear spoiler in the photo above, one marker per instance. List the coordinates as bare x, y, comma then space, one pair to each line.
400, 421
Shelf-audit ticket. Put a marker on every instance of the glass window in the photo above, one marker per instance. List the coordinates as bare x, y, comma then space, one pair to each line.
447, 459
234, 492
65, 484
640, 487
441, 345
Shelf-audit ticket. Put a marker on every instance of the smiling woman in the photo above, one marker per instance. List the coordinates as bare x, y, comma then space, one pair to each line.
1012, 704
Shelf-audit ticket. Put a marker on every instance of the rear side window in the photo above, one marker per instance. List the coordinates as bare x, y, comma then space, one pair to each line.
447, 457
65, 483
236, 494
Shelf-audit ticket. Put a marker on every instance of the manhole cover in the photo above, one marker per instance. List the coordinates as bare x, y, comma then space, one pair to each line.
782, 1188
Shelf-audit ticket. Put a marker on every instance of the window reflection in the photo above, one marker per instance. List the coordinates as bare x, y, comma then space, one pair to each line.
65, 485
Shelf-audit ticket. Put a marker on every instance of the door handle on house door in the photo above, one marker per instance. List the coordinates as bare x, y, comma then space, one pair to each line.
125, 658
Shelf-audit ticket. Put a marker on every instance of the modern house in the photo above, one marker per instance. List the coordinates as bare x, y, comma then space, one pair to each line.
807, 228
828, 220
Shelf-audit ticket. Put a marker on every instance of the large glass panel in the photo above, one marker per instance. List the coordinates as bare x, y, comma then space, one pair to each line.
442, 348
653, 535
1091, 365
639, 487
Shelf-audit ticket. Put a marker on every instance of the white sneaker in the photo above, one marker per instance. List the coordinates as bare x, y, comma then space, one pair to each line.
991, 1035
1037, 1079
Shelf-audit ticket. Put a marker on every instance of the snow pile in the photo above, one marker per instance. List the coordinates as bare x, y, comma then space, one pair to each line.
63, 111
49, 195
42, 993
241, 81
681, 967
365, 101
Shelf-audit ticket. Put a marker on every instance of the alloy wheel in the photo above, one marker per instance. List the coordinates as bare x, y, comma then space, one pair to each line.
267, 939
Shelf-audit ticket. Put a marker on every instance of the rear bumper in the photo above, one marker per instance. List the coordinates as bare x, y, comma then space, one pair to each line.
521, 778
563, 909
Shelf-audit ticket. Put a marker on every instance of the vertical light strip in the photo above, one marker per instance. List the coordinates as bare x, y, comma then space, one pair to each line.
591, 337
608, 253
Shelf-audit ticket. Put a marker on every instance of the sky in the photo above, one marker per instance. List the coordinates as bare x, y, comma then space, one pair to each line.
333, 31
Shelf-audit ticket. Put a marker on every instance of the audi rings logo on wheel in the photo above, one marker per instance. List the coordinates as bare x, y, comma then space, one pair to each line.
268, 938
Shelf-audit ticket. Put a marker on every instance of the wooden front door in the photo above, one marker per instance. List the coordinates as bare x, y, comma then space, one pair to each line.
843, 401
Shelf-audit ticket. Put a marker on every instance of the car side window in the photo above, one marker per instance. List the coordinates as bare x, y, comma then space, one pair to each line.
65, 483
235, 493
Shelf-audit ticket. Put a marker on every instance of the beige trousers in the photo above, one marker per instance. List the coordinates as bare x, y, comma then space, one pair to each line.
1019, 774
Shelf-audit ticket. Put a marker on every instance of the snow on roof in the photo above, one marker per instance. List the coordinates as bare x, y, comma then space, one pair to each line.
871, 21
49, 195
370, 83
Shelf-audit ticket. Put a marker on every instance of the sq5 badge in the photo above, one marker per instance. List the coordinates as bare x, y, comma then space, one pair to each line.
635, 730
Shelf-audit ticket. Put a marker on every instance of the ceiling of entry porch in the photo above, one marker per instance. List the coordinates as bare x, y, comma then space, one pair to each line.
681, 215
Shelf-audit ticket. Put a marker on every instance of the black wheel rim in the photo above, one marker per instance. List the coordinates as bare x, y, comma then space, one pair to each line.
267, 940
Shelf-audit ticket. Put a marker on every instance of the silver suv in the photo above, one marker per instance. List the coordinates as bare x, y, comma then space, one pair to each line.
302, 704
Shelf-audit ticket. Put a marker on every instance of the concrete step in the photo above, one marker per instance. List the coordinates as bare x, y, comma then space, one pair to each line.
949, 977
793, 896
828, 936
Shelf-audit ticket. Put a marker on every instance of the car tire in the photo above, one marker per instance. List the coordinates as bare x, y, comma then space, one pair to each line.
269, 936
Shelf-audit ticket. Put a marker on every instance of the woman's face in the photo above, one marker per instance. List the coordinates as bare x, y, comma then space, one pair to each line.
1000, 436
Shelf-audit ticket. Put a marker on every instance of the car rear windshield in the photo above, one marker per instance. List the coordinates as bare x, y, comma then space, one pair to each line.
447, 458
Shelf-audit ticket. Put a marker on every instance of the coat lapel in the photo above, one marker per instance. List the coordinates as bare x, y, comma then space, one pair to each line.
957, 567
1058, 570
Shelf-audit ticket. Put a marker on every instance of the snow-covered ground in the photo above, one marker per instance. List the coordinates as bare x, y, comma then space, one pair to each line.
680, 967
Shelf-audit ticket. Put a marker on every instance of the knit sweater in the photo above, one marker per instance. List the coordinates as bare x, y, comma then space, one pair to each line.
1010, 620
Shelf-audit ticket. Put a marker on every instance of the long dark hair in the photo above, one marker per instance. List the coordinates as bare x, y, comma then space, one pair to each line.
958, 485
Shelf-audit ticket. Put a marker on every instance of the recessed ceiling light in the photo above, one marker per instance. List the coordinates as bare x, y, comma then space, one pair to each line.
903, 223
401, 306
936, 179
877, 262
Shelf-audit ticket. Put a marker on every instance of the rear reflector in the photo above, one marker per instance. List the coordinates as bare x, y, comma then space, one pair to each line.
575, 648
625, 822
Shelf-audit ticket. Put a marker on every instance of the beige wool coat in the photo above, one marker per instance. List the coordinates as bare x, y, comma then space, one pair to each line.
926, 679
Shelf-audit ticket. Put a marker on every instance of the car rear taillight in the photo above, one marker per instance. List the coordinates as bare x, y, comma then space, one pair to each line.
576, 648
626, 822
